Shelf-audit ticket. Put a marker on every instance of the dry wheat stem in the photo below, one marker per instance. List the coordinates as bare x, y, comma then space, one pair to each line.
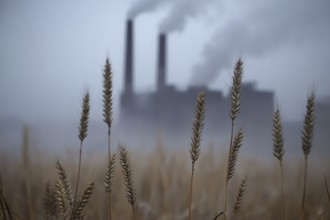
107, 114
234, 111
107, 99
196, 141
82, 135
218, 215
307, 138
236, 145
327, 188
26, 165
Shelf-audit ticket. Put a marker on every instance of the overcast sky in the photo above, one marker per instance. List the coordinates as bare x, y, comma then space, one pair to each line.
50, 51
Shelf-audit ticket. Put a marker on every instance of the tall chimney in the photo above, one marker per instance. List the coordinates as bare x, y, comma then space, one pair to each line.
129, 57
161, 77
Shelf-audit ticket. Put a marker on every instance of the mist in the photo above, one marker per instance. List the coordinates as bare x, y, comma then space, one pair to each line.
51, 51
257, 28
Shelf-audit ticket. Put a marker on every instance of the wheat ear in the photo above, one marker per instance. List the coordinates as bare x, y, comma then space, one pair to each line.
128, 180
307, 139
196, 141
49, 204
78, 213
279, 152
65, 183
234, 154
82, 135
236, 89
108, 181
240, 195
62, 203
109, 174
107, 99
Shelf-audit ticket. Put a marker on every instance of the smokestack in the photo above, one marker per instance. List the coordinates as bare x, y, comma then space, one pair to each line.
129, 57
161, 62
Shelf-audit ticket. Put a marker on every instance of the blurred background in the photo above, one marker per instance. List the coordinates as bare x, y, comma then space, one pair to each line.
51, 51
163, 53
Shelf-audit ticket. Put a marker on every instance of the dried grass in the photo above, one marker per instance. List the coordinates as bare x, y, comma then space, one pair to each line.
196, 142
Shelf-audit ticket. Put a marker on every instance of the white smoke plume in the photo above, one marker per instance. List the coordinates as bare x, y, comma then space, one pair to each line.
260, 27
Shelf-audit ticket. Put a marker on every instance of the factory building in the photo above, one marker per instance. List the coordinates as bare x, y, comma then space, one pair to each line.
168, 113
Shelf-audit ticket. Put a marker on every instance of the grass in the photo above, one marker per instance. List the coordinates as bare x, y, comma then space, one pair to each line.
165, 190
307, 139
279, 152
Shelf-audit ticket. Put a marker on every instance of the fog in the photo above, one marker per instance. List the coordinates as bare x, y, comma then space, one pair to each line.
51, 51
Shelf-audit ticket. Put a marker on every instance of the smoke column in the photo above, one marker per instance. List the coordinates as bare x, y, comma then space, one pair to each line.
262, 26
144, 6
180, 11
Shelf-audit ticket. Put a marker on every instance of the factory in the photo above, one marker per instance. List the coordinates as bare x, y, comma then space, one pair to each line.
168, 113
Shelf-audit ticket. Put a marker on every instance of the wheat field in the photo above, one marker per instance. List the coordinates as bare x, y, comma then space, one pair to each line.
191, 182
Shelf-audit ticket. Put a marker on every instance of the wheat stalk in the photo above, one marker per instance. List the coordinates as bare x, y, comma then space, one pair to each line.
307, 138
327, 188
107, 118
279, 152
234, 111
26, 163
82, 135
196, 140
128, 180
107, 99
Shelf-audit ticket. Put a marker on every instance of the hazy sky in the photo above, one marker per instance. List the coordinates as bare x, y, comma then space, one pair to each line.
50, 51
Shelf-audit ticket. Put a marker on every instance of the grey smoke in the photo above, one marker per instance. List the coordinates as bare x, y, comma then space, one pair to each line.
259, 30
183, 10
144, 6
179, 13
